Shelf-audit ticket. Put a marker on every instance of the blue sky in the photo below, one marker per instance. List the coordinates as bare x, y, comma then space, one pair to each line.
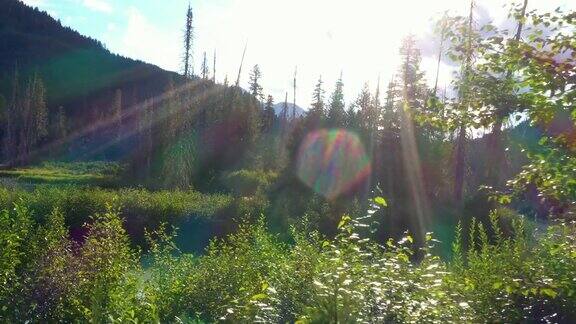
321, 37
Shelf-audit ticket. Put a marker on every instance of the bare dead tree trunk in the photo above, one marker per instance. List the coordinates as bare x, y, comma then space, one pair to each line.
241, 63
214, 68
294, 102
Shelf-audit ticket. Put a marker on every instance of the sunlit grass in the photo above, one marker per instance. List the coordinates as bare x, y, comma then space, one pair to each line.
94, 173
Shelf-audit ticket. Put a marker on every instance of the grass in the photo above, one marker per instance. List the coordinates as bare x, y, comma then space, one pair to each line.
140, 208
81, 173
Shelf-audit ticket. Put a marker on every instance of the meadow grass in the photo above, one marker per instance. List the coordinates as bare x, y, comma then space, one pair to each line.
98, 173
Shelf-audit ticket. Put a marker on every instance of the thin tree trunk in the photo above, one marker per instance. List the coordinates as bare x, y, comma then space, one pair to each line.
496, 153
241, 63
460, 165
460, 156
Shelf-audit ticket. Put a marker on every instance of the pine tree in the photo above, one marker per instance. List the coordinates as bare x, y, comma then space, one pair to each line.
269, 115
12, 120
317, 108
3, 123
285, 109
204, 68
188, 39
61, 127
171, 115
336, 112
214, 67
117, 112
364, 105
389, 121
40, 110
255, 87
411, 77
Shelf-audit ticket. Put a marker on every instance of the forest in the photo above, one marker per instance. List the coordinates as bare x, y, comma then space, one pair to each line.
133, 194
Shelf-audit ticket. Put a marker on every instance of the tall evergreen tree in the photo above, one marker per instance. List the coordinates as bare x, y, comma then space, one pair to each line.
255, 87
117, 112
317, 107
389, 120
214, 67
284, 112
411, 77
269, 114
13, 123
40, 110
60, 124
188, 39
336, 112
204, 67
365, 109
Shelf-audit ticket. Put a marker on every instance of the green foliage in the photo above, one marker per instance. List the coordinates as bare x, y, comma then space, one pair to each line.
248, 182
519, 278
352, 279
142, 208
511, 275
553, 172
92, 173
44, 279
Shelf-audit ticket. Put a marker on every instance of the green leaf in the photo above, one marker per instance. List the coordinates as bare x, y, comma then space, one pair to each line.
381, 201
548, 292
259, 296
345, 219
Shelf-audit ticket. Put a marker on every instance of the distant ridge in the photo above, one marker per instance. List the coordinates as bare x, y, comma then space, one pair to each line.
279, 106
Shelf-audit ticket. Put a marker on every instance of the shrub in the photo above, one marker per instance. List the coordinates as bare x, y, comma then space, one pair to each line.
523, 275
350, 279
248, 182
140, 207
46, 278
528, 276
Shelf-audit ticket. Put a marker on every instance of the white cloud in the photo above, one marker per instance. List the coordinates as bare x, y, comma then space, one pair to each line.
143, 40
98, 5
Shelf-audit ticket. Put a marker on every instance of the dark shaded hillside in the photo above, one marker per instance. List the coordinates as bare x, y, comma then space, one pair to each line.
79, 73
75, 68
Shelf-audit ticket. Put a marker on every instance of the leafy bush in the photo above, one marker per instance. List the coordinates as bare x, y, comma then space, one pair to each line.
352, 279
252, 276
526, 277
46, 278
140, 207
248, 182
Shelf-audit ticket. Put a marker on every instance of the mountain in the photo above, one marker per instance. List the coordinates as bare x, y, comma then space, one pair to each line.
79, 72
81, 77
102, 106
299, 111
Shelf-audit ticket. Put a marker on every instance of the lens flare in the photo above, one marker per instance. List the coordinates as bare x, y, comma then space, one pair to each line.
332, 162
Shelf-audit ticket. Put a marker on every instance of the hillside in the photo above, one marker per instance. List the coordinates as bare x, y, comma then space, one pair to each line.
102, 95
76, 69
291, 107
80, 76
